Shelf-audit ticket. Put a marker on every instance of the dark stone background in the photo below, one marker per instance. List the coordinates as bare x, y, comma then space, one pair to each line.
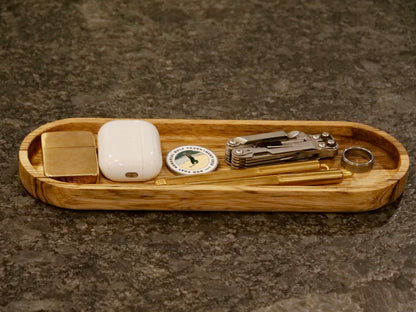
314, 60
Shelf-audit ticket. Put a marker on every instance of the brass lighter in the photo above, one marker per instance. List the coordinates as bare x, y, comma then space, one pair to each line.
70, 156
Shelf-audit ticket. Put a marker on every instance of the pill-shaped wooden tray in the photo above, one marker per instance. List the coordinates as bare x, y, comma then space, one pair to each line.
362, 192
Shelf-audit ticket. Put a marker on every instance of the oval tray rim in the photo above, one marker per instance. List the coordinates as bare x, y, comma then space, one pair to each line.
34, 181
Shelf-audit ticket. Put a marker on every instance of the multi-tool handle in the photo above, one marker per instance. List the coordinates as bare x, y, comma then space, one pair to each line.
266, 148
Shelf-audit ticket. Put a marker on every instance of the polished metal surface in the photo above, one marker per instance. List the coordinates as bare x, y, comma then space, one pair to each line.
272, 147
362, 154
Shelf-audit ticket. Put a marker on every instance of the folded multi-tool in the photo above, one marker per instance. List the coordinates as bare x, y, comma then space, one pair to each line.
266, 148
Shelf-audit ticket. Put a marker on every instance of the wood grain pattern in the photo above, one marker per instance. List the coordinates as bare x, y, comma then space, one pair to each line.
365, 191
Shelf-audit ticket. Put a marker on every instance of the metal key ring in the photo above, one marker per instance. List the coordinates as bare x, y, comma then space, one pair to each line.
357, 166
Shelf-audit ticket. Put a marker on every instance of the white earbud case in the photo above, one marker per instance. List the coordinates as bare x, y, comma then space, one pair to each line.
129, 150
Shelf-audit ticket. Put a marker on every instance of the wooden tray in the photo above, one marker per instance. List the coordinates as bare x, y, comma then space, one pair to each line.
364, 191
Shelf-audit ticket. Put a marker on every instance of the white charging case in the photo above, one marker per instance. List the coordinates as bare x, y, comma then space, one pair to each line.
129, 150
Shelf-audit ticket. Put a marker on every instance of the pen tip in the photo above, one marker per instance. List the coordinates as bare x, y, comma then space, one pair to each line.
347, 174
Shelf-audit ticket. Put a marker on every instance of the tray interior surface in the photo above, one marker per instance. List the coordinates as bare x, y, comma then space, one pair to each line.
214, 136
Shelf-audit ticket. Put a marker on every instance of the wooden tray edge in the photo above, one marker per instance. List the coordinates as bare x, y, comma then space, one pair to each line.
38, 185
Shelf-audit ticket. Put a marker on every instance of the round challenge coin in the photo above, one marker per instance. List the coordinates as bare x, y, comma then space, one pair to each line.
191, 159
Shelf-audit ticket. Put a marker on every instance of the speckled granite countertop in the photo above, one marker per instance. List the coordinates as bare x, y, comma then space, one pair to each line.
315, 60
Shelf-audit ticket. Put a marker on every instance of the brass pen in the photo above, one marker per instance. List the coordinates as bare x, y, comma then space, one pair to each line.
255, 172
300, 178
